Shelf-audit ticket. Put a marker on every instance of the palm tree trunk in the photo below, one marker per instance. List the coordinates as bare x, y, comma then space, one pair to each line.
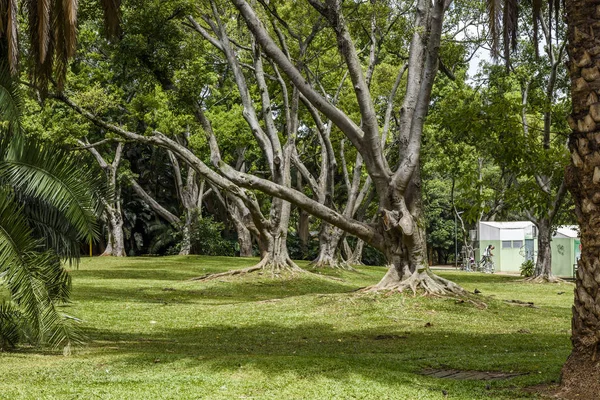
581, 372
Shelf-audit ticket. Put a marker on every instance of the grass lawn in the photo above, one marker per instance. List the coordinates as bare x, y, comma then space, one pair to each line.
153, 334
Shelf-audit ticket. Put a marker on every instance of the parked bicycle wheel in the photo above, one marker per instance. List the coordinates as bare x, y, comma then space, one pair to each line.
488, 267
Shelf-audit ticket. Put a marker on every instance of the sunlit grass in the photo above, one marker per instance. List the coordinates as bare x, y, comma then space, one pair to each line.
153, 334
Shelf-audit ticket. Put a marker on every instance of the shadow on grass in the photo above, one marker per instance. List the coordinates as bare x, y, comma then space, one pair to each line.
137, 273
370, 350
474, 277
389, 354
166, 268
238, 290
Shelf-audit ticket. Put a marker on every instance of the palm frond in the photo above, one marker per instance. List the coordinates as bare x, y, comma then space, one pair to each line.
44, 171
163, 236
10, 331
11, 29
43, 28
10, 101
65, 35
48, 223
495, 22
112, 17
26, 272
510, 24
503, 15
8, 33
57, 280
41, 41
69, 8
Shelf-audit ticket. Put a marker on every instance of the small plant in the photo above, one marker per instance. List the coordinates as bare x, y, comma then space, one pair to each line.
527, 268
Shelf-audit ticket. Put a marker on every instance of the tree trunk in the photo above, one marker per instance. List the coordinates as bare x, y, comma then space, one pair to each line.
273, 242
245, 241
241, 224
108, 249
329, 242
543, 266
186, 241
275, 257
406, 245
303, 231
356, 258
581, 372
116, 239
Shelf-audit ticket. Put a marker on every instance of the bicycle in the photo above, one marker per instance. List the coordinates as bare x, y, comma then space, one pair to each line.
486, 266
468, 259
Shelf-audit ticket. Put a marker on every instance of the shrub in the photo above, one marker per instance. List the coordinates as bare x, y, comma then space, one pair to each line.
527, 268
206, 237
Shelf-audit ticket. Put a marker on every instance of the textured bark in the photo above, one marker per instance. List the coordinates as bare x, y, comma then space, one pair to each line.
245, 241
303, 231
303, 228
243, 226
543, 266
186, 242
329, 244
190, 196
241, 219
406, 250
115, 245
581, 373
272, 241
356, 258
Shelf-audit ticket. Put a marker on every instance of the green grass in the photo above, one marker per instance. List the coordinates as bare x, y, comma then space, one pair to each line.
153, 334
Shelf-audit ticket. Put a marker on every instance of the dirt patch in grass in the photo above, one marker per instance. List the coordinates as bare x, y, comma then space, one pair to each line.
473, 375
547, 391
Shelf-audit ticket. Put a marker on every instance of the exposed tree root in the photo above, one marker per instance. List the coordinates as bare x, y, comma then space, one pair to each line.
331, 263
267, 264
544, 279
355, 262
424, 280
243, 271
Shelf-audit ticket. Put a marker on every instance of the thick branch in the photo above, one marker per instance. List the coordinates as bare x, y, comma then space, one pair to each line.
158, 209
101, 161
390, 105
411, 158
198, 28
560, 195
